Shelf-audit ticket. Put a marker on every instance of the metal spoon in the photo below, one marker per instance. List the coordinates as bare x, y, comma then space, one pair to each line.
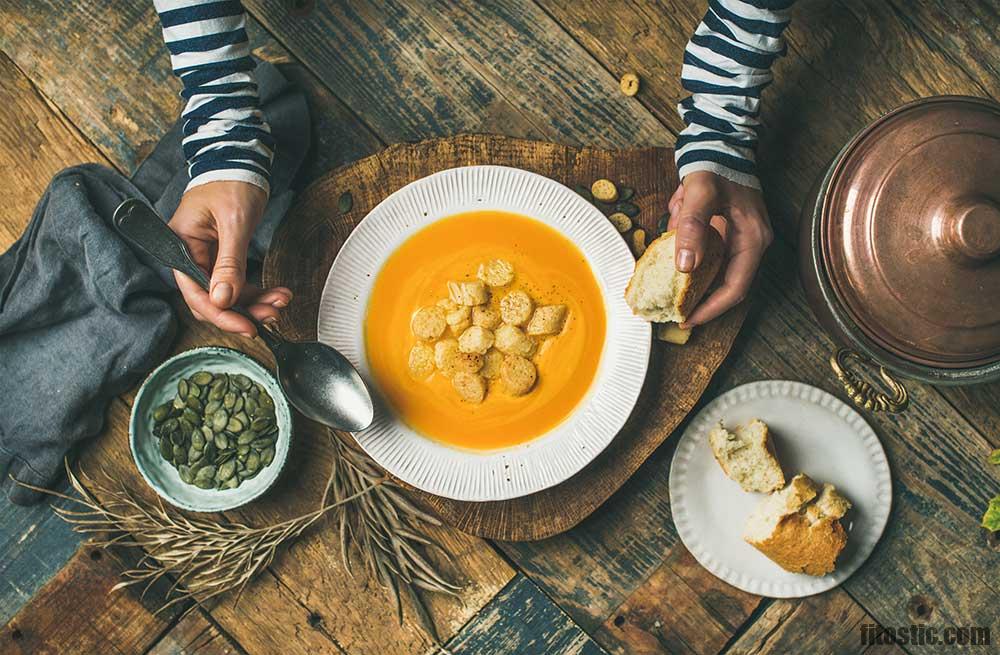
317, 379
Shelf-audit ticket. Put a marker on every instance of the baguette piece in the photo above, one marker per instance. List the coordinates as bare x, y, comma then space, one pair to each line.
746, 455
799, 527
658, 292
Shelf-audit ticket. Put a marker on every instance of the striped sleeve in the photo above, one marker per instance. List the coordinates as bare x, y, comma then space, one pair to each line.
727, 63
225, 134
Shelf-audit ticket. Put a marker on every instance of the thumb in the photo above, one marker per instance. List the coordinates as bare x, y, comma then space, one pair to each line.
229, 272
692, 223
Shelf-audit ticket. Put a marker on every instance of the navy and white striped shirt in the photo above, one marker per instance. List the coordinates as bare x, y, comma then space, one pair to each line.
225, 134
727, 63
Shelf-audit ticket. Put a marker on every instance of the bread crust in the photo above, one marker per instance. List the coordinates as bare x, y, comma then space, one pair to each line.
799, 546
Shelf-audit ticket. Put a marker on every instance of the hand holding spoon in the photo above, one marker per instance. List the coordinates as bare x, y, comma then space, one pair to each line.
317, 379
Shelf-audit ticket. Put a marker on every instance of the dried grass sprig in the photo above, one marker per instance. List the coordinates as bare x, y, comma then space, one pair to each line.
387, 530
206, 558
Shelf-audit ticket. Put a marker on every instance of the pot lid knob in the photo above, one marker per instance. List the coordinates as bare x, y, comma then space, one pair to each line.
969, 231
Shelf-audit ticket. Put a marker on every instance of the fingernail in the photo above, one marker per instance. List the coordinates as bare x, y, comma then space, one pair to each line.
685, 260
270, 320
222, 293
247, 335
279, 303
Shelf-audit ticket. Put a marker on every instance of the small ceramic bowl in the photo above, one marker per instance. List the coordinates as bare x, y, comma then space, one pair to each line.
160, 387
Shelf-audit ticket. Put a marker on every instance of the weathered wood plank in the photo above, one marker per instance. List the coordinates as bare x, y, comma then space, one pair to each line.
57, 621
828, 623
416, 70
35, 143
123, 96
681, 607
194, 634
521, 619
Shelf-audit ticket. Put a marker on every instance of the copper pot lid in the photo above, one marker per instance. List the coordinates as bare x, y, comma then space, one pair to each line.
912, 231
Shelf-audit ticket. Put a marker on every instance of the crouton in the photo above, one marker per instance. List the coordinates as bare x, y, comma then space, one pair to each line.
621, 222
746, 455
518, 375
511, 341
428, 323
421, 361
491, 364
485, 317
496, 273
470, 387
672, 333
449, 358
604, 190
516, 307
472, 292
548, 319
475, 340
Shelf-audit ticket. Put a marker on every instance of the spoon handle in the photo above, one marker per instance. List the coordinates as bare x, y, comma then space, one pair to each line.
143, 227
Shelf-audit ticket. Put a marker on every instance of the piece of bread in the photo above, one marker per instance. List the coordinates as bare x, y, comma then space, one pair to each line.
746, 455
658, 292
799, 527
673, 333
516, 308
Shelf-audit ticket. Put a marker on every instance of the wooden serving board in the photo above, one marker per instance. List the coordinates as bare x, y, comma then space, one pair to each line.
308, 240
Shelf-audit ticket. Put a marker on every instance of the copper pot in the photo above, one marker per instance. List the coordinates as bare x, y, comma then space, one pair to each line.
900, 249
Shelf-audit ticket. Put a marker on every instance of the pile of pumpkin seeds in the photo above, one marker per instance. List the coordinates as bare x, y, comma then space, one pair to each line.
218, 430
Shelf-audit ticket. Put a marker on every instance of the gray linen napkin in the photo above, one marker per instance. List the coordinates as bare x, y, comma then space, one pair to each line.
82, 317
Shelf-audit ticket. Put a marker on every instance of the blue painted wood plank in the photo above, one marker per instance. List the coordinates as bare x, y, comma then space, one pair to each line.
34, 545
521, 619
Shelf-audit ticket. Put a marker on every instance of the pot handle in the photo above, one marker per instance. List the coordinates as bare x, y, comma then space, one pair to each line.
863, 393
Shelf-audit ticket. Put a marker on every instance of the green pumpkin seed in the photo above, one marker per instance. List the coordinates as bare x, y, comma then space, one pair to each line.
182, 389
221, 441
207, 471
161, 413
204, 483
166, 449
253, 462
242, 382
190, 416
238, 406
261, 443
226, 471
245, 438
250, 406
267, 456
262, 424
250, 476
187, 476
345, 202
627, 208
212, 407
202, 378
210, 451
229, 400
180, 455
235, 425
243, 451
266, 401
179, 403
218, 390
231, 483
219, 420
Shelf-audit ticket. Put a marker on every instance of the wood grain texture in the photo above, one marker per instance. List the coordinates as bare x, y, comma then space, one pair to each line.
194, 634
680, 608
309, 238
521, 619
828, 623
422, 69
56, 621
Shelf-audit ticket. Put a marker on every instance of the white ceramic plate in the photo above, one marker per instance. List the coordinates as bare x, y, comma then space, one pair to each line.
814, 433
553, 457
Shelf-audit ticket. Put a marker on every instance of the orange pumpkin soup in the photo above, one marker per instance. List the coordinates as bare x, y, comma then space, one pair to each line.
549, 267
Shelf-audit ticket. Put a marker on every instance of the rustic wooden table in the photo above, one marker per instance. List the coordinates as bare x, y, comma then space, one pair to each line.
89, 81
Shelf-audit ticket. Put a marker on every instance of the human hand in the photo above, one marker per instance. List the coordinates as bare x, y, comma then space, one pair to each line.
216, 220
705, 201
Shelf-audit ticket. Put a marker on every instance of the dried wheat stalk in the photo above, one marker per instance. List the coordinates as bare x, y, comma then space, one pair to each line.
388, 531
207, 558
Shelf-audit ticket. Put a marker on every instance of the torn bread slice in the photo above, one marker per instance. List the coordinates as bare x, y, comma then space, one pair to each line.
658, 292
799, 527
746, 455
